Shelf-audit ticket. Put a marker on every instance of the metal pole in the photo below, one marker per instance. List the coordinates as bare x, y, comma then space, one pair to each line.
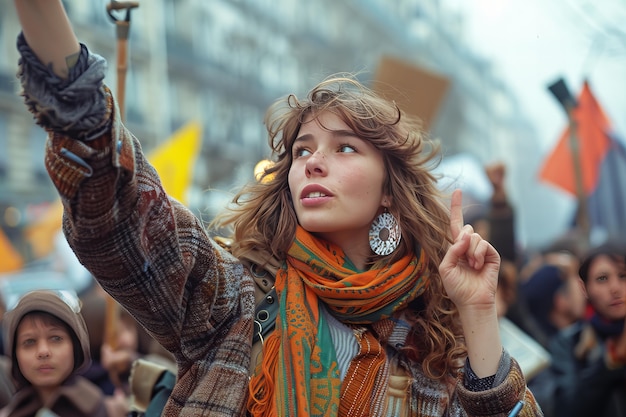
582, 215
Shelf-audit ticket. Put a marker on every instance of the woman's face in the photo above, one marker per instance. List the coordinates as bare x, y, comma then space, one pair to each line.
606, 287
336, 181
44, 352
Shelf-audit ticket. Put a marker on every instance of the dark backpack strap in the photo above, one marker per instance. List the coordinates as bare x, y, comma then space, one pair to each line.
266, 303
265, 316
160, 394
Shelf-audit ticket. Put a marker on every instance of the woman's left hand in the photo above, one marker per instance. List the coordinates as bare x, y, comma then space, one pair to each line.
469, 270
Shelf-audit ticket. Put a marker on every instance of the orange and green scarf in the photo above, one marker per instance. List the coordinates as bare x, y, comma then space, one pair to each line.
299, 375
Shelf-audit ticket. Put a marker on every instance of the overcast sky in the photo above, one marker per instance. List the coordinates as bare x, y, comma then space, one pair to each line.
532, 43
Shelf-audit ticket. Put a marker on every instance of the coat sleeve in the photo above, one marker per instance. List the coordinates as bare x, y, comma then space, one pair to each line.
148, 251
501, 399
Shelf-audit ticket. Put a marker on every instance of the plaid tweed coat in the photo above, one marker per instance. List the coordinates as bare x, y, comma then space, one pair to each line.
156, 259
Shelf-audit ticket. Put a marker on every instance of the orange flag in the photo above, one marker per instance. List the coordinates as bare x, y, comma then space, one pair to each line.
591, 128
10, 260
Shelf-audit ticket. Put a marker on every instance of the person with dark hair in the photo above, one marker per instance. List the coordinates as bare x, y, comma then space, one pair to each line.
384, 298
554, 299
48, 345
589, 358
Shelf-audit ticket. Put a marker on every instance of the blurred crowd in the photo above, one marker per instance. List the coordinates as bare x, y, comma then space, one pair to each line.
567, 304
564, 309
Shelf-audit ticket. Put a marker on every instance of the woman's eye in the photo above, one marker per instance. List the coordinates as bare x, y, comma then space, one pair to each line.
298, 152
28, 342
347, 148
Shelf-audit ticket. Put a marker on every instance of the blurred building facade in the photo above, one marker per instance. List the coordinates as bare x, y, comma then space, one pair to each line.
222, 62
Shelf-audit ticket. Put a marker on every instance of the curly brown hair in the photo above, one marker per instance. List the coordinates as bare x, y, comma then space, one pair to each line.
263, 219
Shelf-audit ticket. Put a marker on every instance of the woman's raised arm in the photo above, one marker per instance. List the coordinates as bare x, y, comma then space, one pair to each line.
49, 33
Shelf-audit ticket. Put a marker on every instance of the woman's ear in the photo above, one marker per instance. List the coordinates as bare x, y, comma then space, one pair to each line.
386, 201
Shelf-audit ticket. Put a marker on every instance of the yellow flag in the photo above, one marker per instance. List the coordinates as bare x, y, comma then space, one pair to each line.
174, 160
10, 260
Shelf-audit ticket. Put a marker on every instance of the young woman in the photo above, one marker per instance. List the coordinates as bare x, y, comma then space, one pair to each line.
48, 344
589, 358
386, 301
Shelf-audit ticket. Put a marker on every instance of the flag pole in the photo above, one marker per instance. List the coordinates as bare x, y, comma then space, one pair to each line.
562, 94
122, 30
582, 214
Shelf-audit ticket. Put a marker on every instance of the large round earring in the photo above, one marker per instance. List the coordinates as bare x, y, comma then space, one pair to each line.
385, 234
